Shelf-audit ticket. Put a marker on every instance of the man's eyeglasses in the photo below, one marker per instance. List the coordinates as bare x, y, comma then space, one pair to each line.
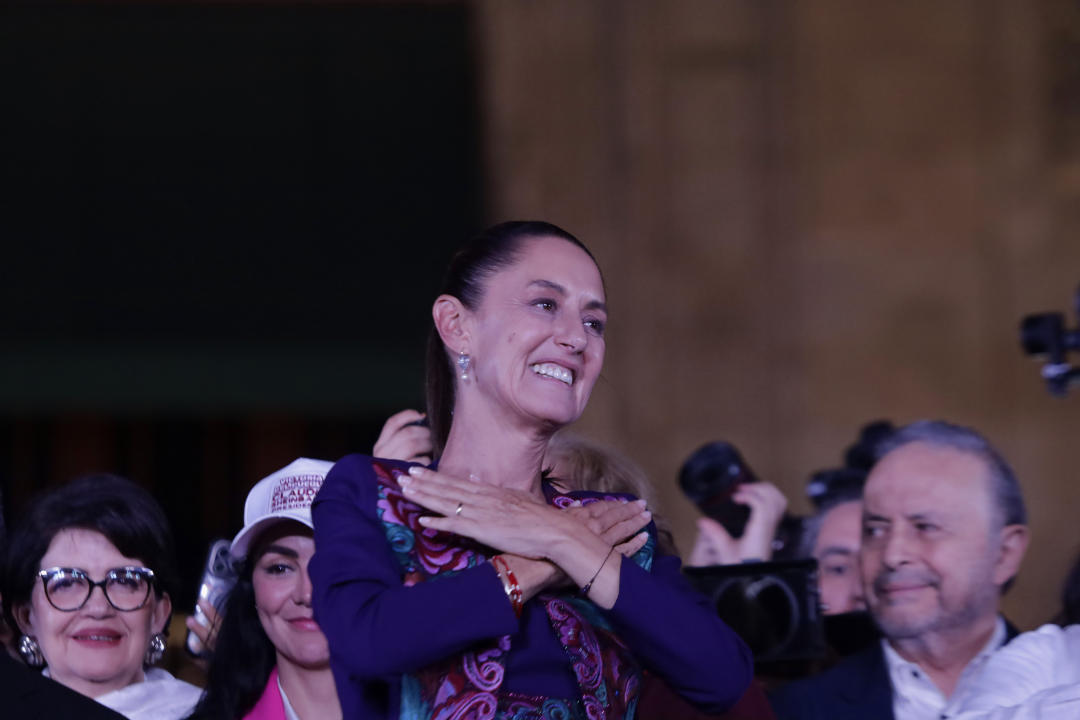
125, 588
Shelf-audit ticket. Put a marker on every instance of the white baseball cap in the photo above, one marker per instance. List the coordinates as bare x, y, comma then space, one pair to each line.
282, 495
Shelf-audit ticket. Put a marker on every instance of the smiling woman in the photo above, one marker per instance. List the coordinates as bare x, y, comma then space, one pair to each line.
86, 580
271, 660
485, 588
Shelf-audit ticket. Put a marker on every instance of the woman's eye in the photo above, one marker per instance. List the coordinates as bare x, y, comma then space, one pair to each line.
545, 304
596, 326
277, 568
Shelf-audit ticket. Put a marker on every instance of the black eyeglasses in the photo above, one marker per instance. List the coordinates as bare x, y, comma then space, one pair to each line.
125, 588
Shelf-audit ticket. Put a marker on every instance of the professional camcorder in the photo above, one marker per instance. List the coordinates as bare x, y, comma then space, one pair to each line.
1044, 334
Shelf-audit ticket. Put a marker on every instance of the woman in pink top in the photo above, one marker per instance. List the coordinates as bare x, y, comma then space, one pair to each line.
270, 659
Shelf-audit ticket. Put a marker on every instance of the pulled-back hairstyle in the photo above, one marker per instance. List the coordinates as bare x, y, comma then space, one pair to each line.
125, 513
466, 279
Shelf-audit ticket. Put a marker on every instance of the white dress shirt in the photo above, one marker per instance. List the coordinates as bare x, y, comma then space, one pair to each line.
1037, 676
916, 697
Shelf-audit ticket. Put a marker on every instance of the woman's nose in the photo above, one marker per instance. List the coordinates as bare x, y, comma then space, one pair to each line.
571, 335
302, 591
97, 603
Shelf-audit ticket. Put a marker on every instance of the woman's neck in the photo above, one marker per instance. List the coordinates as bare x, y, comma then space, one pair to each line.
495, 452
311, 692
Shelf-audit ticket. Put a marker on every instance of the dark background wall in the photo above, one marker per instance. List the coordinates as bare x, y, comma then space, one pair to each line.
810, 214
222, 228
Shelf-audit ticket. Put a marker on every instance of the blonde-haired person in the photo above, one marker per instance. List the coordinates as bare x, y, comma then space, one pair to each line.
585, 464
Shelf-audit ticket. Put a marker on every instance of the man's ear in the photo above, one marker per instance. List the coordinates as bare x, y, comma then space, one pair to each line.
452, 322
1011, 549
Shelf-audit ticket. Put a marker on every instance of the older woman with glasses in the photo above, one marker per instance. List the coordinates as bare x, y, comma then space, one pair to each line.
86, 580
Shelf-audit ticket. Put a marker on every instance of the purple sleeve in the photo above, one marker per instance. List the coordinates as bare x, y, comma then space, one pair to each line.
677, 635
377, 627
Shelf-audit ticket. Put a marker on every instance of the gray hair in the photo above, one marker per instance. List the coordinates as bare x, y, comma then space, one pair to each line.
1004, 488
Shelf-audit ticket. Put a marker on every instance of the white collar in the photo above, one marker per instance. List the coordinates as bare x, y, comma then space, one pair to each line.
916, 695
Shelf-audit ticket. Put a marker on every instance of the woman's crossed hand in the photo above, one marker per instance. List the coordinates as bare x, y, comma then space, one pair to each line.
575, 540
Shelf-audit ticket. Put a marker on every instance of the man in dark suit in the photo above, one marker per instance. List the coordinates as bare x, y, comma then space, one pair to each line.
944, 531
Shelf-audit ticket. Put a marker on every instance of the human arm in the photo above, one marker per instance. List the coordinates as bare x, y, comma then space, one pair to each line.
671, 627
676, 634
1056, 703
715, 546
376, 626
207, 633
1028, 676
578, 544
405, 436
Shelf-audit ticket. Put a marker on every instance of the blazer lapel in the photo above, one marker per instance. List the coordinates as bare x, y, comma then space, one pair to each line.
869, 694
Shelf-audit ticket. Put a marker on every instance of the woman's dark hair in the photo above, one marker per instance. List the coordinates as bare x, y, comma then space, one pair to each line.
126, 514
243, 656
466, 279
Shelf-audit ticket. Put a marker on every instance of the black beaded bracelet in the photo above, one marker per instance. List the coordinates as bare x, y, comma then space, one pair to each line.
588, 586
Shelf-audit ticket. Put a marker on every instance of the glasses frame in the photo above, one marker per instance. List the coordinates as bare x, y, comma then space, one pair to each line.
150, 585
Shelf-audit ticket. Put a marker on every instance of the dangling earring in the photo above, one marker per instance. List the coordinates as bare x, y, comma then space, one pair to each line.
464, 361
156, 649
31, 651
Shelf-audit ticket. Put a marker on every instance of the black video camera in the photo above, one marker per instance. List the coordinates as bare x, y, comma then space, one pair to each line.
772, 605
1044, 334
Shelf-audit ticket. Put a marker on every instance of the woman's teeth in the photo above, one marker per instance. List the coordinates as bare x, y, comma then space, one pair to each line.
552, 370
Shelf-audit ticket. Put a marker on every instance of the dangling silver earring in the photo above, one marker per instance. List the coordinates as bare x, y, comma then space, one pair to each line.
464, 361
31, 651
156, 649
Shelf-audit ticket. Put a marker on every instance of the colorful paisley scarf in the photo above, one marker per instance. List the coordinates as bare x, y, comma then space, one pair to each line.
469, 686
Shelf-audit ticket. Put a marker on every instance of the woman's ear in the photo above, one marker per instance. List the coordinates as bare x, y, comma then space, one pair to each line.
22, 619
162, 609
452, 322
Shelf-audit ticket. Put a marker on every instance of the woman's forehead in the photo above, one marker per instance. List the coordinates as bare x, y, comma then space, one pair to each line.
555, 264
85, 547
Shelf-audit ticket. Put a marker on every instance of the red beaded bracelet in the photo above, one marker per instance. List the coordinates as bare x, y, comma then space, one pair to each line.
510, 583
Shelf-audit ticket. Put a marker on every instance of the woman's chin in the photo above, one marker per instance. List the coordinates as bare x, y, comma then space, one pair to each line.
554, 415
95, 681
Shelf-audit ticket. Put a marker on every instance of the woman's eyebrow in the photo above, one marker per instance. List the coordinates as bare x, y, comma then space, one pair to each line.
280, 550
551, 285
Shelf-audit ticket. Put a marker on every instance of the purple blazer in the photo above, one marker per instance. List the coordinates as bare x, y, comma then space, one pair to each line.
379, 629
